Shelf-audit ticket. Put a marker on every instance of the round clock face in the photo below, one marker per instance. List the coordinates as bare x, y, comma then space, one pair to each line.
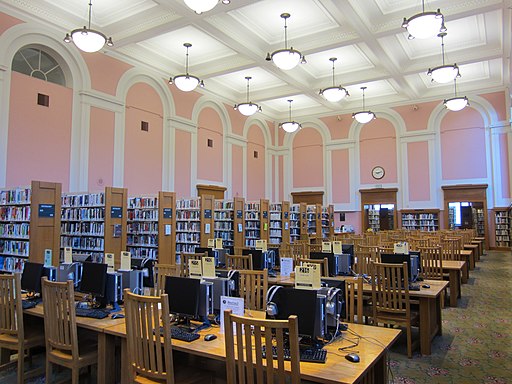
378, 172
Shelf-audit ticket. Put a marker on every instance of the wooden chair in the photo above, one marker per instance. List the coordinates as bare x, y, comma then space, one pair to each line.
298, 250
390, 298
184, 259
322, 263
149, 353
431, 263
62, 345
163, 270
244, 360
362, 261
354, 300
313, 248
239, 262
451, 248
13, 336
253, 288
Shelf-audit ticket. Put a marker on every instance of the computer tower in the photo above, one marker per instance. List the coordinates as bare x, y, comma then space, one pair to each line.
320, 316
50, 273
205, 300
71, 271
113, 289
344, 264
133, 280
334, 304
414, 266
220, 257
221, 287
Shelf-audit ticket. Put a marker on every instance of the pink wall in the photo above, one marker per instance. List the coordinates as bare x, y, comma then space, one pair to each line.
498, 102
7, 22
418, 171
184, 101
505, 160
39, 138
340, 176
351, 218
183, 167
308, 159
209, 159
416, 116
463, 145
237, 168
282, 196
237, 120
339, 125
101, 149
378, 147
143, 150
101, 79
255, 166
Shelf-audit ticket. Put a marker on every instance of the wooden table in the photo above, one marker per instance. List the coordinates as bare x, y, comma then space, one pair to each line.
429, 306
106, 349
372, 367
454, 269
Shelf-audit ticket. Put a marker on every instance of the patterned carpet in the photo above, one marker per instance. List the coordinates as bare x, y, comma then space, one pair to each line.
476, 345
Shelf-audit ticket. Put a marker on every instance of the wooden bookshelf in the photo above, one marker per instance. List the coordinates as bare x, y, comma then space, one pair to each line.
327, 222
257, 221
224, 222
239, 221
502, 228
151, 225
207, 219
420, 219
188, 225
29, 224
294, 220
95, 223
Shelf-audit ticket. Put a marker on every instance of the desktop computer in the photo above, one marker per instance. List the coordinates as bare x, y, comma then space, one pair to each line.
205, 300
334, 303
72, 271
221, 287
344, 264
133, 280
50, 273
320, 316
113, 289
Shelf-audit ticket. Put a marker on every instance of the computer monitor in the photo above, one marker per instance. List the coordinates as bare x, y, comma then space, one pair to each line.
31, 278
260, 259
146, 265
184, 296
210, 251
94, 279
300, 302
400, 258
348, 249
331, 260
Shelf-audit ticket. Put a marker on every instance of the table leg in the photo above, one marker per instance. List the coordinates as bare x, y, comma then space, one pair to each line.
124, 361
454, 287
380, 370
425, 326
106, 359
5, 356
465, 271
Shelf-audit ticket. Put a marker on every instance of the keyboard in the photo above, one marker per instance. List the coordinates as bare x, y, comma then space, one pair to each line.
306, 355
181, 334
94, 313
27, 304
414, 287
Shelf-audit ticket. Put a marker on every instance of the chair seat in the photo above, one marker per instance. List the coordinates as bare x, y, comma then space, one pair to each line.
88, 354
32, 338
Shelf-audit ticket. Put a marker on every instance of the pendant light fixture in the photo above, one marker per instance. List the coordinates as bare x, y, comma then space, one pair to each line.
456, 103
248, 108
290, 126
87, 39
425, 24
186, 82
444, 73
200, 6
364, 117
334, 93
286, 58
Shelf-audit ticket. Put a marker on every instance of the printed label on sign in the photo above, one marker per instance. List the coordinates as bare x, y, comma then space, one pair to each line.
68, 255
194, 269
126, 261
208, 266
109, 260
326, 246
336, 248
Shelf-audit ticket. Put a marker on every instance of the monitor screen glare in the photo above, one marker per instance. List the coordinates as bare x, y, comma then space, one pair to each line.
31, 278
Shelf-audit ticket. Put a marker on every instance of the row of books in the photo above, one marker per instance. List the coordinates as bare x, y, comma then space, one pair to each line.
15, 196
85, 199
15, 213
19, 230
14, 247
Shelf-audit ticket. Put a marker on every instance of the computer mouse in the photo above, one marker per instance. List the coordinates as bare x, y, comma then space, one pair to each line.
352, 357
117, 316
426, 286
210, 337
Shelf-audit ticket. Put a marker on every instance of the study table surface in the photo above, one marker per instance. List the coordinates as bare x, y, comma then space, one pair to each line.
335, 370
429, 300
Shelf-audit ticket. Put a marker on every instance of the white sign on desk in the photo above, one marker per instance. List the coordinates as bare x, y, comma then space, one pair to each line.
126, 261
194, 269
109, 260
235, 304
218, 243
306, 278
326, 246
68, 255
286, 264
208, 266
337, 249
211, 243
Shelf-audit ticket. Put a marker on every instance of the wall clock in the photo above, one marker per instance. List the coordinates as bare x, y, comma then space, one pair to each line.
378, 172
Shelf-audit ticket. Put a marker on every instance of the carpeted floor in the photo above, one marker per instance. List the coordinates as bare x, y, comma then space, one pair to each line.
476, 345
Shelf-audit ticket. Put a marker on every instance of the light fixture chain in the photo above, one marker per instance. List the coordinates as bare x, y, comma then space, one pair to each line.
333, 84
186, 62
442, 47
248, 90
90, 13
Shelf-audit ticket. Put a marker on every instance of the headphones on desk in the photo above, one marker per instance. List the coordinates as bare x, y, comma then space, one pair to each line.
271, 306
330, 306
232, 285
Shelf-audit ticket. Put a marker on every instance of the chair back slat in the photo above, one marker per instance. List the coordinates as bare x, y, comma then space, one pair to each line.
149, 351
11, 312
244, 358
322, 263
431, 263
253, 288
354, 300
239, 262
185, 258
162, 271
390, 289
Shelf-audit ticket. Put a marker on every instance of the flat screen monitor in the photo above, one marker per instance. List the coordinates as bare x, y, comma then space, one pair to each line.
300, 302
259, 259
333, 266
94, 279
146, 266
31, 277
210, 251
397, 258
348, 249
184, 293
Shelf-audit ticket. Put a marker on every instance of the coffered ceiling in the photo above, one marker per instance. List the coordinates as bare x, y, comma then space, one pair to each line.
232, 41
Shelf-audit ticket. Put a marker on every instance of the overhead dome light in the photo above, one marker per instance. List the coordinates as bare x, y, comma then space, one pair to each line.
444, 73
290, 126
363, 116
425, 24
200, 6
248, 108
456, 103
286, 58
334, 93
87, 39
186, 82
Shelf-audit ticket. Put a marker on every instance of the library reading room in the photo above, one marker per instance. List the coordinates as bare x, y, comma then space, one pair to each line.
255, 191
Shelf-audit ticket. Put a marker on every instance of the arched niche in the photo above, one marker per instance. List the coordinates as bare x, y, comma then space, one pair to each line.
210, 146
308, 159
255, 163
144, 126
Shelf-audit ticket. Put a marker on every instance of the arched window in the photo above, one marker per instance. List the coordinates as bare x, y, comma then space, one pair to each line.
39, 64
